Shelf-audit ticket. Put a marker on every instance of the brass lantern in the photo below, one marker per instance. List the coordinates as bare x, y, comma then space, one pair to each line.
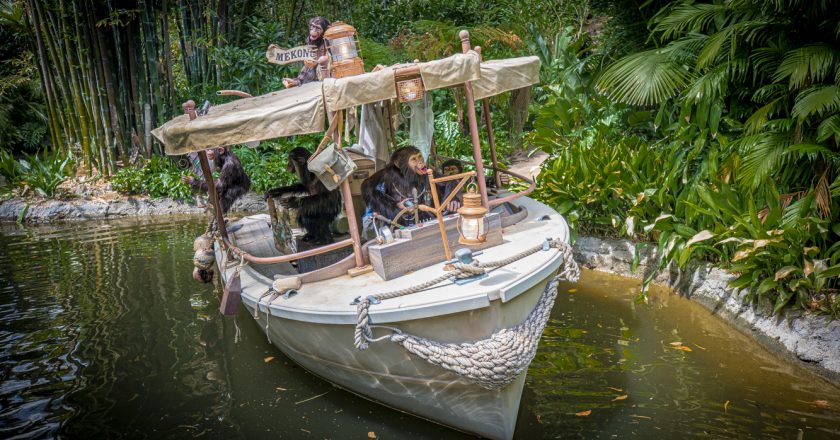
343, 47
471, 224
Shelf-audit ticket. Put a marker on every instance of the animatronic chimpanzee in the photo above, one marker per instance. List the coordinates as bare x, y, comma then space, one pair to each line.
232, 183
316, 206
387, 191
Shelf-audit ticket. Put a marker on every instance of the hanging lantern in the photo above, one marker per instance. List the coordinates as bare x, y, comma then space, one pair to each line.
343, 47
471, 224
410, 90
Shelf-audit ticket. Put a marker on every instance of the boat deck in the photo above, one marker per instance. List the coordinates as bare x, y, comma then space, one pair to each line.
329, 301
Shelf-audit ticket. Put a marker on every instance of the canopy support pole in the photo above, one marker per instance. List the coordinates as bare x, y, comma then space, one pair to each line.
490, 138
476, 143
189, 109
347, 196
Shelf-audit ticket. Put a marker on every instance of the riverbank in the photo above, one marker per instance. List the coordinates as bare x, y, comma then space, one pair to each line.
810, 340
88, 200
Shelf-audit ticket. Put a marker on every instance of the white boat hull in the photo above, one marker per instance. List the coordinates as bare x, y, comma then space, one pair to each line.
315, 328
388, 374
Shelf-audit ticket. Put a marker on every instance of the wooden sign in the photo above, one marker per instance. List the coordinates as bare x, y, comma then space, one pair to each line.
278, 55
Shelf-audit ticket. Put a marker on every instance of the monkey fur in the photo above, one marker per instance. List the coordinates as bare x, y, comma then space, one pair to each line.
388, 187
232, 183
316, 206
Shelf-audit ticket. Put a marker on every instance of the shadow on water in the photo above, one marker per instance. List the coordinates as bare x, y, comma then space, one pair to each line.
104, 334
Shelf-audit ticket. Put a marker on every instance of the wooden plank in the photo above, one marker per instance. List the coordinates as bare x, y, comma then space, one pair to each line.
416, 248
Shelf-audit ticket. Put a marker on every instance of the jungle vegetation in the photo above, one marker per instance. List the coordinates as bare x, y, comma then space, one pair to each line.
708, 129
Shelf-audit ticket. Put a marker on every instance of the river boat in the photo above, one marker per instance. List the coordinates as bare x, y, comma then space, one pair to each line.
399, 319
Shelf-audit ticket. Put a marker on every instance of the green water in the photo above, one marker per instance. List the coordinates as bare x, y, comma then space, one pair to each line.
103, 334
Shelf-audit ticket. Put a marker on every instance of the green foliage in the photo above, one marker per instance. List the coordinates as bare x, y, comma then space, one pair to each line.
10, 168
265, 166
159, 177
45, 172
699, 174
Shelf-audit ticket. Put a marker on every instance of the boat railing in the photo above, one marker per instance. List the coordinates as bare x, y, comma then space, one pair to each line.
498, 201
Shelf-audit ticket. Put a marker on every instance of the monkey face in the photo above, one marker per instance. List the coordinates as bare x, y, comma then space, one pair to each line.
211, 154
451, 170
416, 163
315, 31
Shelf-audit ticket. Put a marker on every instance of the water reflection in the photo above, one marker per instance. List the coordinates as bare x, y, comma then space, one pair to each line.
103, 334
666, 368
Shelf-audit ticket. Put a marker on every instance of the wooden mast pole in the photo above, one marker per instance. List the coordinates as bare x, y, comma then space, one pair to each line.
189, 109
476, 143
490, 138
346, 195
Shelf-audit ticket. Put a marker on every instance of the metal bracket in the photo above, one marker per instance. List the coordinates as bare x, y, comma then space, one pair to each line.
462, 281
290, 293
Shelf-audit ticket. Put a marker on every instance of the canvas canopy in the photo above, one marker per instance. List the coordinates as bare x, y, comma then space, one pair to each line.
302, 110
298, 110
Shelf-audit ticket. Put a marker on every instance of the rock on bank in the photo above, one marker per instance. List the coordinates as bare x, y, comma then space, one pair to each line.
86, 207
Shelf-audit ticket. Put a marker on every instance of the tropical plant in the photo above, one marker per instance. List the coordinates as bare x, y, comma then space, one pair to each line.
43, 173
159, 177
772, 65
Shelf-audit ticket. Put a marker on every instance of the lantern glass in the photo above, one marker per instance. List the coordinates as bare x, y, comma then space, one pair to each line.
472, 230
343, 48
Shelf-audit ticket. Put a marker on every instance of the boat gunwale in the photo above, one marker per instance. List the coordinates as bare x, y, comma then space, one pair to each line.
504, 291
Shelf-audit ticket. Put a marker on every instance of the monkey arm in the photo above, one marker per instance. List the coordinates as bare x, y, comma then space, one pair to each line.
279, 192
376, 197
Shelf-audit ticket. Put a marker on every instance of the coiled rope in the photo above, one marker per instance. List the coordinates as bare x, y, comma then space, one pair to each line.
494, 362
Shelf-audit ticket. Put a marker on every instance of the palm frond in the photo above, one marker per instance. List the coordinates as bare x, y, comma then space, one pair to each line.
807, 64
711, 50
690, 18
769, 92
763, 153
829, 127
644, 78
816, 100
709, 86
766, 60
755, 123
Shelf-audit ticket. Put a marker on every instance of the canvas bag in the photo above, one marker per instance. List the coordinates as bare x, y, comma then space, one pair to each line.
332, 166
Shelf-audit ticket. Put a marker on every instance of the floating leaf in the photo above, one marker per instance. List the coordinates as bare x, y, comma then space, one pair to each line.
683, 348
584, 413
268, 359
725, 406
622, 397
572, 290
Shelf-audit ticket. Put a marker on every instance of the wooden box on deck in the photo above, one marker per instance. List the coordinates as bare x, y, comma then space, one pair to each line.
417, 247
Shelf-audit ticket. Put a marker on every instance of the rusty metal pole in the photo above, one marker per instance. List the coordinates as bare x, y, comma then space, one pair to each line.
491, 140
476, 143
189, 109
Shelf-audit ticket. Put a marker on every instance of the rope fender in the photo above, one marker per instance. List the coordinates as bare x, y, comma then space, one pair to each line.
492, 363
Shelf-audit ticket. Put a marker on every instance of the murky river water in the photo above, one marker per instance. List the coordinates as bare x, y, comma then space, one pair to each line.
103, 334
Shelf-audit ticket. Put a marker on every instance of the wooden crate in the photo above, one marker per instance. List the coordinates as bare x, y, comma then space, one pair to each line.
418, 247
